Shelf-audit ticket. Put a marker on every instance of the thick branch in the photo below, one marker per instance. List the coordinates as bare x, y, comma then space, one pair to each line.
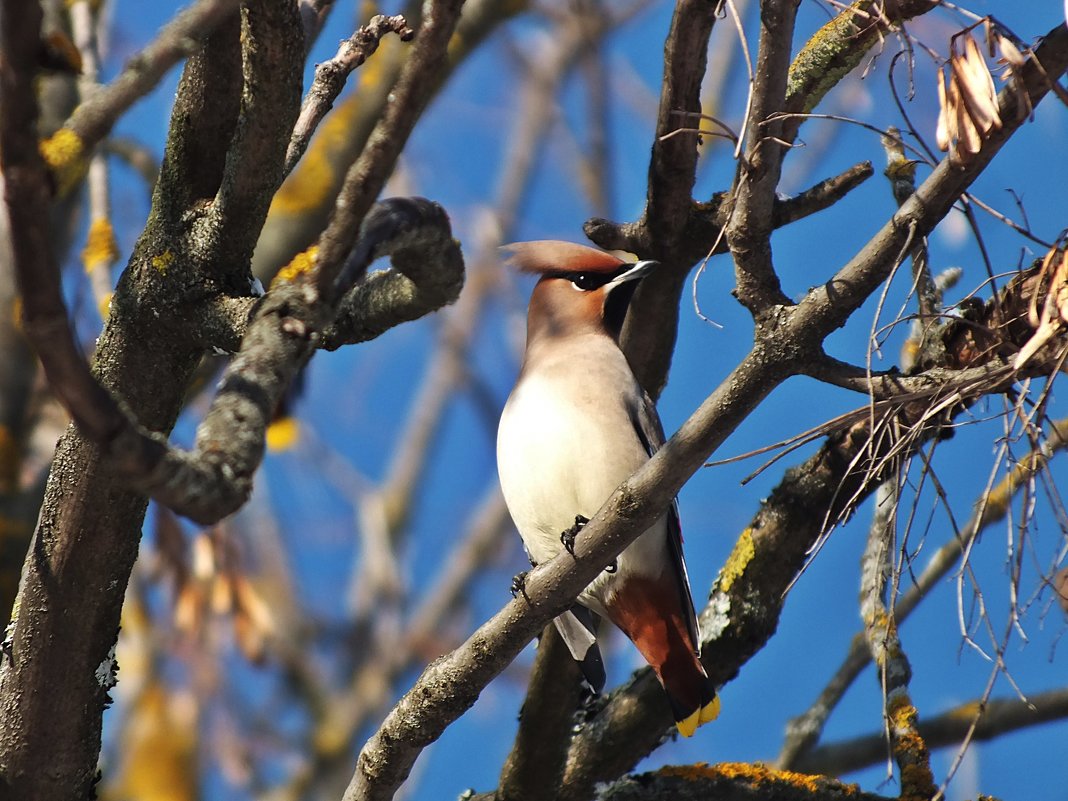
272, 58
732, 782
535, 764
215, 478
649, 333
753, 194
184, 35
838, 47
672, 168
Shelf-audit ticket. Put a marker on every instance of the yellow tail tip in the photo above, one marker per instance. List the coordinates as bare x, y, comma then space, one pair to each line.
709, 711
705, 714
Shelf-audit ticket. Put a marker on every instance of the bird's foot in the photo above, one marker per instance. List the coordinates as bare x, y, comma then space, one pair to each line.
567, 538
519, 584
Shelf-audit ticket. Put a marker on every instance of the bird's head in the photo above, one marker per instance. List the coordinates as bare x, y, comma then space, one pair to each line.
580, 289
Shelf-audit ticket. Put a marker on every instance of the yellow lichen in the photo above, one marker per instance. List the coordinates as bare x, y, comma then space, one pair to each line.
901, 711
969, 711
316, 176
756, 775
101, 249
162, 262
64, 153
832, 52
105, 306
301, 263
743, 553
282, 434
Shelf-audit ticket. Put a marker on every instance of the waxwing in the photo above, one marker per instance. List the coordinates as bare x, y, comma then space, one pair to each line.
576, 425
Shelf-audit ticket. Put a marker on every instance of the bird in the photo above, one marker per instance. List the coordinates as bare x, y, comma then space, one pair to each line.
575, 426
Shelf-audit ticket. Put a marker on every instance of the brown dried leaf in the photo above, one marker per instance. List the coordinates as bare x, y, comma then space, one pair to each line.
1054, 314
222, 597
946, 132
203, 557
187, 608
1010, 53
253, 622
1060, 586
248, 601
968, 104
977, 88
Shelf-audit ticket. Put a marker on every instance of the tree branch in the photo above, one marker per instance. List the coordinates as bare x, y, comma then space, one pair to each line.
215, 478
803, 732
996, 717
649, 332
368, 175
838, 47
330, 77
744, 608
749, 228
826, 307
449, 686
67, 149
535, 765
732, 782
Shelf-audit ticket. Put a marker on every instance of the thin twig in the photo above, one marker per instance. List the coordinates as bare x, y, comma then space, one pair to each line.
330, 77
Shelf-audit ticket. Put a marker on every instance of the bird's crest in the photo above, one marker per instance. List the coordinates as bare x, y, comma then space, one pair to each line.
552, 256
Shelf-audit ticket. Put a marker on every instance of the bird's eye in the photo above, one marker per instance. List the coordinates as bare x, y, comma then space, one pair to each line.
584, 282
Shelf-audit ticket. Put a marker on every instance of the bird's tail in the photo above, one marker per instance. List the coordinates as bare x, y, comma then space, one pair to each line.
650, 614
690, 692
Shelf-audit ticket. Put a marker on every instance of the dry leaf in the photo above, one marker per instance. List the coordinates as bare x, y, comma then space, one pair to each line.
968, 106
1051, 320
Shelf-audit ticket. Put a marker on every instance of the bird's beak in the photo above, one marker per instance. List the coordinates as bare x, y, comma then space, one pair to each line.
637, 271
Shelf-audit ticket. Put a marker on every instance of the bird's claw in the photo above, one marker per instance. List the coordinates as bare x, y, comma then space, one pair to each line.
567, 537
519, 584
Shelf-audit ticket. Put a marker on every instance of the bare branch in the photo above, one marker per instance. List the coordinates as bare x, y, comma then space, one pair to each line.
95, 117
703, 236
838, 47
995, 717
330, 77
535, 765
803, 731
368, 175
828, 306
753, 194
215, 479
672, 172
880, 631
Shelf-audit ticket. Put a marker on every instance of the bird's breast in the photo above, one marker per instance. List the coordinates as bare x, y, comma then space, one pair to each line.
566, 441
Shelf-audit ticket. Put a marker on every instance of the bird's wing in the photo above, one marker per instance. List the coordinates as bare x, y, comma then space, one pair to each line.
578, 629
651, 432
